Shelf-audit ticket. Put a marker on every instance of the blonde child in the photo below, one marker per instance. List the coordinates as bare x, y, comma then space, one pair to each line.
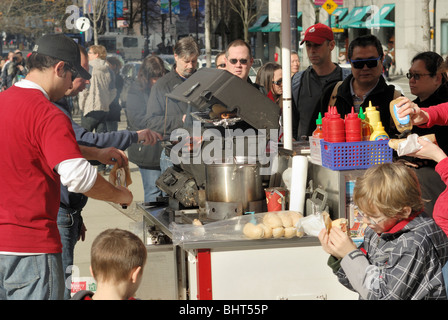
403, 250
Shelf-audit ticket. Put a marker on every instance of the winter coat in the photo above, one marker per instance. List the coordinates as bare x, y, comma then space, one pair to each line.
380, 96
101, 91
147, 157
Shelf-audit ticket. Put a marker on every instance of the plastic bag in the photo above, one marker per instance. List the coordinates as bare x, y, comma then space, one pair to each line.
312, 224
229, 229
224, 230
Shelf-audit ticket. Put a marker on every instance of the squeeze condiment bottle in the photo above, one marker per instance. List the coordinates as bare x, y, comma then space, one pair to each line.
335, 127
404, 125
324, 122
372, 116
365, 126
379, 133
318, 133
353, 127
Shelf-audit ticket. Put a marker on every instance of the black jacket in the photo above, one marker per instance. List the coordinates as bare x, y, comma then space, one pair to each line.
147, 157
380, 97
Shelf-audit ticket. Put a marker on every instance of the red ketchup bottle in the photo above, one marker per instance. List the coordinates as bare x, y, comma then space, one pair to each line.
324, 121
335, 127
318, 133
353, 127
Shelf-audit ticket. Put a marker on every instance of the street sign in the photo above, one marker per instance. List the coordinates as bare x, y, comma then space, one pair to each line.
337, 30
83, 24
329, 6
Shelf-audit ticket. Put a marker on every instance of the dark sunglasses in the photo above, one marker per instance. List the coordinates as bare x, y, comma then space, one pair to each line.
370, 63
72, 70
234, 61
416, 76
222, 65
278, 82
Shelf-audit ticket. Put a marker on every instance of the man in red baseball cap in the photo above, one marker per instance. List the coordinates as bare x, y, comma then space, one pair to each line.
308, 85
318, 33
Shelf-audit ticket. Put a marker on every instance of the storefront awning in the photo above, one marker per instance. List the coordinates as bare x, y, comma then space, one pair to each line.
355, 18
340, 13
271, 27
276, 26
379, 18
258, 25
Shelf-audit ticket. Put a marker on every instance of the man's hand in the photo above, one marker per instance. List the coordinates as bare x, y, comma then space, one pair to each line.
126, 194
148, 137
111, 156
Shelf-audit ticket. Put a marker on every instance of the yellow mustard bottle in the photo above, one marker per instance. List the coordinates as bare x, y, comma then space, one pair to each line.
372, 116
379, 133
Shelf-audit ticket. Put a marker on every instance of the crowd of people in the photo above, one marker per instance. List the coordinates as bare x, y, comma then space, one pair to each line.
51, 164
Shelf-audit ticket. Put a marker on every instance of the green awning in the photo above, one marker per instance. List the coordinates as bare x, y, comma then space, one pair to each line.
275, 27
379, 18
340, 13
258, 25
355, 18
271, 27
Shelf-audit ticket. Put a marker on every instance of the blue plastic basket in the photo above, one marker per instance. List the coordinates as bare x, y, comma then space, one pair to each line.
355, 155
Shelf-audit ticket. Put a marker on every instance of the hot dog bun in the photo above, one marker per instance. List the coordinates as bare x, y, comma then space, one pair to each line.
393, 143
340, 223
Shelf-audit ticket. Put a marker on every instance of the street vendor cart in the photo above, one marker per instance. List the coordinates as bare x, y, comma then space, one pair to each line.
197, 247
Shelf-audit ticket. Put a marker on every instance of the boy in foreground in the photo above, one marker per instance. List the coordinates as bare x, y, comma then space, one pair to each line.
117, 261
403, 251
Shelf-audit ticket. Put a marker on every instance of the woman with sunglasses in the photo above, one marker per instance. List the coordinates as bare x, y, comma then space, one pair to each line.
270, 77
428, 81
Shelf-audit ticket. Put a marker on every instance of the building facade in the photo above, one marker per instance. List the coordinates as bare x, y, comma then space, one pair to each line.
405, 27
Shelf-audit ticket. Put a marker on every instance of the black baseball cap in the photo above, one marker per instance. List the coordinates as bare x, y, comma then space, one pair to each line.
61, 47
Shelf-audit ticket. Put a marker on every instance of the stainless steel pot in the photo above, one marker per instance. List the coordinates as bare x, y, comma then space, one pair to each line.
237, 183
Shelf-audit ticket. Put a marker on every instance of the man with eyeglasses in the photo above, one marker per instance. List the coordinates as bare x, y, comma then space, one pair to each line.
308, 85
239, 60
39, 152
164, 115
365, 84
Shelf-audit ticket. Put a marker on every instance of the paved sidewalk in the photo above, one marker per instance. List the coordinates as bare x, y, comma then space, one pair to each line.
99, 216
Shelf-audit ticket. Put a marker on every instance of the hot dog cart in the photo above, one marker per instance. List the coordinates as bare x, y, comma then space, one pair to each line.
234, 267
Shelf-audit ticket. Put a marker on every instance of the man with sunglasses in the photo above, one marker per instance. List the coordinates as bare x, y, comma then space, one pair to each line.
239, 60
308, 85
365, 84
39, 152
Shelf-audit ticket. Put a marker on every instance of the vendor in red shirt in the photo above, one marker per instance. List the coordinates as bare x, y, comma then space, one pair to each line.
39, 151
